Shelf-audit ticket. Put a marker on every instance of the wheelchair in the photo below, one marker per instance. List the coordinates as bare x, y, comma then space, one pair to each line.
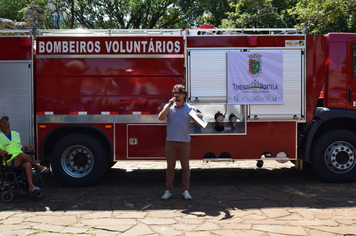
14, 179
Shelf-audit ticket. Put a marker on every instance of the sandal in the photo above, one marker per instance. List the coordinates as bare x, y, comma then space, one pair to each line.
45, 170
35, 190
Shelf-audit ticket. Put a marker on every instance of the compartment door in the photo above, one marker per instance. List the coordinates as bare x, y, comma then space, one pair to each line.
16, 97
146, 141
293, 90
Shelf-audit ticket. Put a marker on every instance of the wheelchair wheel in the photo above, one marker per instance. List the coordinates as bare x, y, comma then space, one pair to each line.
7, 196
38, 194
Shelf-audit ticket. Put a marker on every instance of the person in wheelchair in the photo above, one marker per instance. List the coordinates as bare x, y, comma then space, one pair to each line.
10, 143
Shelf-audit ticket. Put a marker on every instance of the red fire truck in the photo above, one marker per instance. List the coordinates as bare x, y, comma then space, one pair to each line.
89, 98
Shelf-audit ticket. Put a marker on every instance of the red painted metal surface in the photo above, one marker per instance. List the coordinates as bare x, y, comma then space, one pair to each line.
48, 128
14, 50
151, 141
122, 84
125, 84
240, 41
261, 137
136, 45
335, 93
351, 76
315, 61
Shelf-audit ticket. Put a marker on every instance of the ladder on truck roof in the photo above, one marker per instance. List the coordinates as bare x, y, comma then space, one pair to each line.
245, 31
108, 32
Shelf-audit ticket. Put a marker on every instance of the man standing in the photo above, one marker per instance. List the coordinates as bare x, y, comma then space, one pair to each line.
178, 139
10, 143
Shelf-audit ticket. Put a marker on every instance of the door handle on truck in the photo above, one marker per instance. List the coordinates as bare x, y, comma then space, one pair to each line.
350, 95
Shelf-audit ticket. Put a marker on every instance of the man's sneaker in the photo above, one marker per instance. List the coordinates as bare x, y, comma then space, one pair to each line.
166, 195
186, 195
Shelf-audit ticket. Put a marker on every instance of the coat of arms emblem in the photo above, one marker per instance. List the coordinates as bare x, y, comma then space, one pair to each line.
255, 64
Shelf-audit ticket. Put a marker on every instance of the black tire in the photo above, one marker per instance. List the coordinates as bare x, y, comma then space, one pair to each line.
38, 194
333, 156
79, 160
111, 164
7, 196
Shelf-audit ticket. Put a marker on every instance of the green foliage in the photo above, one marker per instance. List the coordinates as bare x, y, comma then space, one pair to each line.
140, 14
125, 14
260, 14
14, 10
10, 9
213, 12
316, 16
323, 16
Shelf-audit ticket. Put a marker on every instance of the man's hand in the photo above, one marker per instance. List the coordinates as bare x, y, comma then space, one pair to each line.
171, 101
3, 153
31, 148
28, 147
199, 115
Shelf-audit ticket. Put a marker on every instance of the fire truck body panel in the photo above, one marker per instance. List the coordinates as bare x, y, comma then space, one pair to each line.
340, 65
96, 98
16, 48
315, 61
145, 142
335, 95
263, 135
351, 72
240, 41
206, 77
293, 71
103, 80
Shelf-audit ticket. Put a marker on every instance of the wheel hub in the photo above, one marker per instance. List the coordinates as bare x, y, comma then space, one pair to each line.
340, 157
77, 161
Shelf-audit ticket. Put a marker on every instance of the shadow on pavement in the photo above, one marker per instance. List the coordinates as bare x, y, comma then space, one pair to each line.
215, 191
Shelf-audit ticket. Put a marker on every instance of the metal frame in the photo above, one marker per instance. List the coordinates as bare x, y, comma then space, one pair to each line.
15, 33
245, 31
108, 32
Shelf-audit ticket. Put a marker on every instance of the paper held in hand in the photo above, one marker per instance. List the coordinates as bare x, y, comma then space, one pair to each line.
201, 121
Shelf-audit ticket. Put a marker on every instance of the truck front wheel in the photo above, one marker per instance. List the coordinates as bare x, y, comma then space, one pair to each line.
78, 160
333, 156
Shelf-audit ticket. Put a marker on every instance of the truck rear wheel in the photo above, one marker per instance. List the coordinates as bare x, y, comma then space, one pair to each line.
333, 156
78, 160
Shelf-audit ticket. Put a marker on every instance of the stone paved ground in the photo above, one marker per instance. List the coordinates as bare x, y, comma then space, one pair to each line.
228, 199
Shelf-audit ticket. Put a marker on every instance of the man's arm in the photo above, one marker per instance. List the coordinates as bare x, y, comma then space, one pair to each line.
163, 114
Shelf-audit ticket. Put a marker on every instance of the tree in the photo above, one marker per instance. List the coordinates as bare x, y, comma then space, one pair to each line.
10, 9
134, 14
22, 14
130, 14
260, 14
214, 11
315, 16
323, 16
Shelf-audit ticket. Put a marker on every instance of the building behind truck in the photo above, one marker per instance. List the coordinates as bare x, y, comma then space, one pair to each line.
89, 98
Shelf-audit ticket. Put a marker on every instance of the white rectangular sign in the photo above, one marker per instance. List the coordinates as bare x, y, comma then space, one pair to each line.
255, 77
200, 121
